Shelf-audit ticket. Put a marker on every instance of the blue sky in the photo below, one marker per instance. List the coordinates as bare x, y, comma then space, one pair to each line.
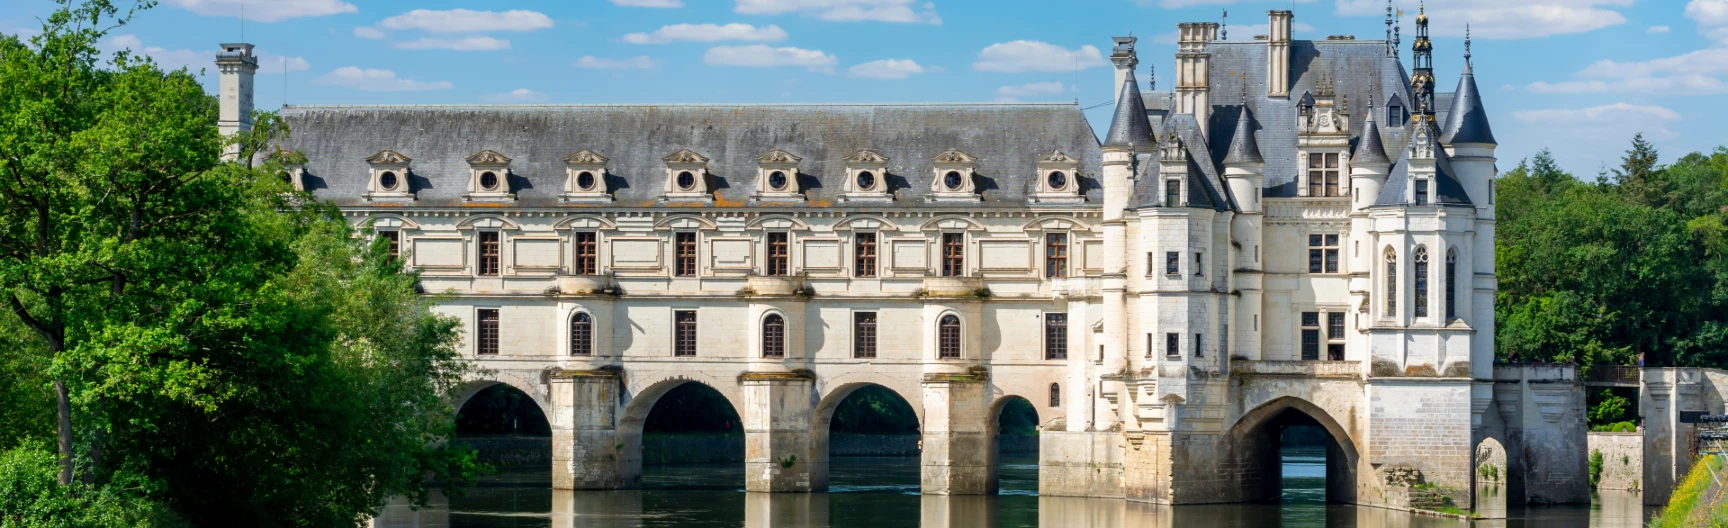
1577, 76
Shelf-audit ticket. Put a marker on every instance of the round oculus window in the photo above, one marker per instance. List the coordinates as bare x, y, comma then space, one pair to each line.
952, 180
489, 180
1058, 180
686, 180
866, 181
585, 180
388, 180
777, 180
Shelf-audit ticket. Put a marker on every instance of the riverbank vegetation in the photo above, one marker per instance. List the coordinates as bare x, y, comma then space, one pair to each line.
1701, 499
188, 341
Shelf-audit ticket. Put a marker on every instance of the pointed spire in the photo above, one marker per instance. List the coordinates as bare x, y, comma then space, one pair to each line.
1391, 48
1243, 148
1467, 120
1466, 46
1130, 127
1369, 149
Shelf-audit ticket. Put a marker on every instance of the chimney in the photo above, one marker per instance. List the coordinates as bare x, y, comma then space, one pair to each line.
1278, 53
1193, 70
1123, 56
237, 64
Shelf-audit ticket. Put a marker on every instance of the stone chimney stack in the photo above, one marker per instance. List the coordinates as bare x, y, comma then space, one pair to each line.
237, 65
1125, 59
1193, 67
1278, 53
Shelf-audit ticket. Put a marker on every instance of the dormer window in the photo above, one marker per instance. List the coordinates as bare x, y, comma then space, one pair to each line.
866, 177
1395, 114
586, 178
1420, 191
389, 181
1058, 181
777, 177
488, 181
686, 177
955, 172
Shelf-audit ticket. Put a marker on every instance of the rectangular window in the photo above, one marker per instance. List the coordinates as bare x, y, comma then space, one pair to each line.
1199, 345
1199, 264
1172, 345
864, 248
394, 239
1421, 192
1056, 255
1172, 193
1322, 253
684, 333
587, 253
486, 333
1056, 336
953, 254
1149, 348
864, 335
1335, 336
778, 254
489, 251
1310, 336
1172, 263
1323, 174
686, 251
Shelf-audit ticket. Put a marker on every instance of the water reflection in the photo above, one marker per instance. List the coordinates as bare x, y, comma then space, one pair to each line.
878, 492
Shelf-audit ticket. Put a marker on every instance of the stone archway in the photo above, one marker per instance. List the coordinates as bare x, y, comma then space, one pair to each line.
642, 405
1006, 412
1250, 451
508, 428
821, 426
1493, 478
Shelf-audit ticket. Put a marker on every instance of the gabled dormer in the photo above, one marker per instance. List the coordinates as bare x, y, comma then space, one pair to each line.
388, 181
955, 177
293, 166
1323, 143
1173, 164
585, 178
866, 177
489, 178
777, 177
1058, 180
687, 177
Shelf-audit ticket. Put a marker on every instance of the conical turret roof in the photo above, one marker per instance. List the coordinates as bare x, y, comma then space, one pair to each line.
1369, 149
1243, 148
1130, 127
1467, 121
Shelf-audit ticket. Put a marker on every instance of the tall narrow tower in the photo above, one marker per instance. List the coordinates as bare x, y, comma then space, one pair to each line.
1422, 74
237, 65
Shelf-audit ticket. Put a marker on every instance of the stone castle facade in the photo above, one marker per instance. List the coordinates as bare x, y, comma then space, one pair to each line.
1302, 231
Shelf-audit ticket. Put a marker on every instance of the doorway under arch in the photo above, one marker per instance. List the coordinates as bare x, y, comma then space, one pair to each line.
1013, 447
1290, 432
508, 430
869, 436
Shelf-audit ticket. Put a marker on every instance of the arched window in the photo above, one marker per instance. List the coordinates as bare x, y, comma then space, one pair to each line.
948, 337
1391, 282
1451, 287
773, 336
1420, 275
1055, 395
581, 334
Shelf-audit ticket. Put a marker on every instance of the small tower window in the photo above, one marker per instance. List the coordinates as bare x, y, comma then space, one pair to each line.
1172, 193
1172, 345
1056, 336
774, 336
1055, 395
948, 337
1451, 287
1391, 283
1421, 191
1420, 275
581, 334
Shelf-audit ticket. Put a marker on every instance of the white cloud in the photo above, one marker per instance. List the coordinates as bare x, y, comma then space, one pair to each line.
270, 11
1175, 4
1500, 19
1687, 74
376, 80
708, 33
1606, 114
648, 3
901, 11
519, 95
1712, 17
458, 44
1667, 85
1034, 56
1014, 93
468, 21
1658, 29
762, 56
886, 69
192, 60
633, 63
368, 33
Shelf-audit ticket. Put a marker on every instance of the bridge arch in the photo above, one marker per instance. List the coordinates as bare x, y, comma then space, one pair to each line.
832, 394
993, 424
532, 388
1250, 450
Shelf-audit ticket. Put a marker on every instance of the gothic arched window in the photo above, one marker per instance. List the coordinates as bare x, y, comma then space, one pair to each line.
1451, 287
774, 336
1391, 282
948, 337
581, 334
1420, 275
1055, 395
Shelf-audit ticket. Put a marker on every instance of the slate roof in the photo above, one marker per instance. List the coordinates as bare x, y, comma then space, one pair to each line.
1007, 139
1131, 126
1447, 189
1369, 148
1205, 183
1243, 148
1466, 120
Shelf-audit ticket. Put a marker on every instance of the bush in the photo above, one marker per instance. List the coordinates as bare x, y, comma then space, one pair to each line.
30, 497
1595, 467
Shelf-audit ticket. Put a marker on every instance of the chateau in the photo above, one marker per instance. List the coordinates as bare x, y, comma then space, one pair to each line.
1301, 232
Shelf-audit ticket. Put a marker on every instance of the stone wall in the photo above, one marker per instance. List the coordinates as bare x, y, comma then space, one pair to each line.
1080, 464
1622, 460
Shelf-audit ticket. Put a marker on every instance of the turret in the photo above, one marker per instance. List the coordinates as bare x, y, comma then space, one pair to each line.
1368, 164
1130, 134
1243, 170
237, 65
1243, 163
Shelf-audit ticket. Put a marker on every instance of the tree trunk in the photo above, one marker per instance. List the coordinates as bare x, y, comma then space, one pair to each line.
65, 405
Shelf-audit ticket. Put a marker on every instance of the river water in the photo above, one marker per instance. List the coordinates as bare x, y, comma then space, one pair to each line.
882, 492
